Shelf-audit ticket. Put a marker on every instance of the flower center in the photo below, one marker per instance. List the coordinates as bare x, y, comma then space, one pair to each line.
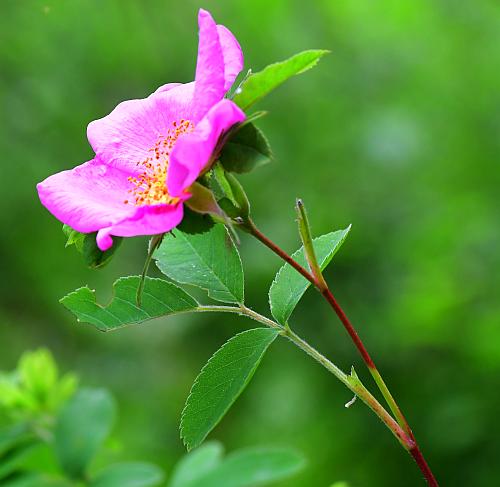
150, 186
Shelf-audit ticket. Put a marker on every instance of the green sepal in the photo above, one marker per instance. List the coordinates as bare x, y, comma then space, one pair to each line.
203, 201
86, 244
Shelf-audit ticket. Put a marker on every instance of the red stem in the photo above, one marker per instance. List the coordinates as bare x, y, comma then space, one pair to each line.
413, 449
348, 326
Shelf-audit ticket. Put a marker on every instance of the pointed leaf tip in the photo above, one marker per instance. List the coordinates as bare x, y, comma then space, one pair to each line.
289, 286
221, 381
258, 85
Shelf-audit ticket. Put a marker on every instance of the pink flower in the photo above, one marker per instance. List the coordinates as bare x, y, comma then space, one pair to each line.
149, 152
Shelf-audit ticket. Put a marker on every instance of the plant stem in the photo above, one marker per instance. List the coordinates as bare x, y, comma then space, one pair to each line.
352, 382
323, 288
355, 385
307, 242
242, 311
153, 245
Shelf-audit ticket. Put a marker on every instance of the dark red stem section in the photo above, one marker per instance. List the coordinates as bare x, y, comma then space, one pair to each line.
348, 326
413, 448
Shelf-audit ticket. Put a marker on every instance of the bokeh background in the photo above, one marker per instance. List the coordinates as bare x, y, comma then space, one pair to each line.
395, 132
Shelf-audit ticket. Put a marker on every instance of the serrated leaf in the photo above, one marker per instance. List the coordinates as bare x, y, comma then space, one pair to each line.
159, 298
252, 467
257, 85
289, 286
202, 254
81, 428
221, 381
133, 474
245, 150
196, 464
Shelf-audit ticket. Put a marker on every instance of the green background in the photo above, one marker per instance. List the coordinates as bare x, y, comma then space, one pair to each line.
395, 132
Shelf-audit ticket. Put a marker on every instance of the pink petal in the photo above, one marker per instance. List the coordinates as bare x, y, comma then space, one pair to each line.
147, 220
167, 87
233, 56
91, 198
88, 197
193, 151
124, 137
209, 79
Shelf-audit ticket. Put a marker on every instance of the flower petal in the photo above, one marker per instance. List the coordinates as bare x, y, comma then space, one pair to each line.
147, 220
124, 137
233, 56
88, 197
209, 79
193, 151
167, 87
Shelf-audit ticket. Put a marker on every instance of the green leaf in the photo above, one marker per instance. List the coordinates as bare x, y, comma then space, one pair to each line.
136, 474
221, 381
196, 464
40, 380
81, 428
219, 183
159, 298
13, 459
249, 467
203, 254
252, 467
35, 480
86, 244
38, 371
40, 458
257, 85
74, 238
11, 436
246, 150
35, 386
239, 205
252, 117
289, 286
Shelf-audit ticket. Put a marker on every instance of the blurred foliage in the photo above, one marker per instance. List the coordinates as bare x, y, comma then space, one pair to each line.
396, 132
35, 388
55, 431
55, 445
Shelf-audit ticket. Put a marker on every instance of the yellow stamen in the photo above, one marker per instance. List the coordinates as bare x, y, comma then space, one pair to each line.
149, 187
